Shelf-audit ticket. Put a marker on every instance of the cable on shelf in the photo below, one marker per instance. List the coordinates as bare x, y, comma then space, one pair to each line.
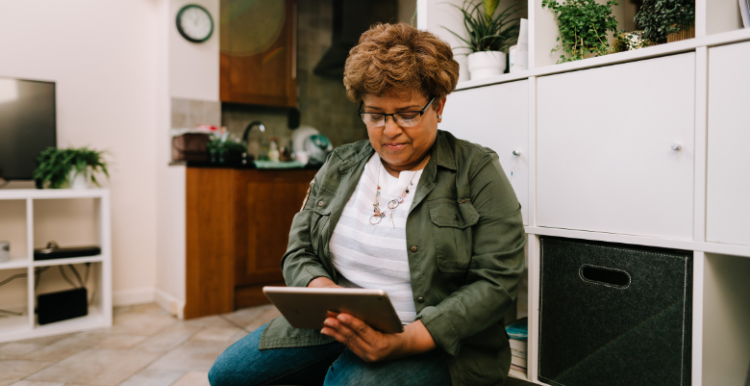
37, 272
78, 276
14, 277
37, 275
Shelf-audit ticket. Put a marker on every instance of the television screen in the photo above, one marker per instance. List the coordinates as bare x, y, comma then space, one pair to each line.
27, 125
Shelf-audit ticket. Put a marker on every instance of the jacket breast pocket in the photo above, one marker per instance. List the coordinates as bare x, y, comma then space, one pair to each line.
321, 215
451, 227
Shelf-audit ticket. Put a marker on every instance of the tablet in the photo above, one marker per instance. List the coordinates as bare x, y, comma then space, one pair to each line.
307, 307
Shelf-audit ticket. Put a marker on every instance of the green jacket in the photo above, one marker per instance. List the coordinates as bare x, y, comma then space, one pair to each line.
466, 251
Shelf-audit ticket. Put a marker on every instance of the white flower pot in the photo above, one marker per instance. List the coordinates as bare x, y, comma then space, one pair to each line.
79, 181
486, 63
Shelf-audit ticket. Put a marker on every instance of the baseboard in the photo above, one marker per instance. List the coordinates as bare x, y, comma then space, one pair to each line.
170, 303
130, 297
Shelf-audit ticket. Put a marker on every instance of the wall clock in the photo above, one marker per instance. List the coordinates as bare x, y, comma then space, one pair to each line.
195, 23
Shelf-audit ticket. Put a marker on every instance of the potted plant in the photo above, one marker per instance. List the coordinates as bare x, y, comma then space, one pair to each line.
583, 26
224, 149
664, 20
489, 36
75, 167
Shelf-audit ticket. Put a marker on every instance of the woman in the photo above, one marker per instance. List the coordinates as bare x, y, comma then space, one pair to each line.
414, 211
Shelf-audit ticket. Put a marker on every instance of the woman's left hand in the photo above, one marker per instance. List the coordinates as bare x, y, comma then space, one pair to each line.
374, 346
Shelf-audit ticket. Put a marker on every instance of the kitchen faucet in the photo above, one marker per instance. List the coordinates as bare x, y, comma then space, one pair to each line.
249, 127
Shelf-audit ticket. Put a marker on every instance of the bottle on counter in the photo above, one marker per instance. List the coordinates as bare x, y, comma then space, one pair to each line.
273, 151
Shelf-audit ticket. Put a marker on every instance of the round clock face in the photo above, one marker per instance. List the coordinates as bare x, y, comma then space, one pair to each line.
195, 23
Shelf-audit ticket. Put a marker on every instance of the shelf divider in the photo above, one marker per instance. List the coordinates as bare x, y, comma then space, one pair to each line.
30, 302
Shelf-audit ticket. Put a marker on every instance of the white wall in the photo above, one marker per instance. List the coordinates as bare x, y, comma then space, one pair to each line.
189, 71
193, 68
103, 57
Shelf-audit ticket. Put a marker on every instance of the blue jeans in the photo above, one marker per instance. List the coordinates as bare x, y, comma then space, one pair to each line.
242, 364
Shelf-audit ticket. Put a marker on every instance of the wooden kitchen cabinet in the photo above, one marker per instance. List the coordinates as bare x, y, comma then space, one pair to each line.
238, 225
258, 53
266, 205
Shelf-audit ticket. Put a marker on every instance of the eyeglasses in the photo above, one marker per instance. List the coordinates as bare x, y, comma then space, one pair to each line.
403, 119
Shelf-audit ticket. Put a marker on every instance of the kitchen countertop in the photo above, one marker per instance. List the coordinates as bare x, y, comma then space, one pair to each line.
250, 165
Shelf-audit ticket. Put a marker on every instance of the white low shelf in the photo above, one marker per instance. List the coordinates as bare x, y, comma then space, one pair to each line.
100, 310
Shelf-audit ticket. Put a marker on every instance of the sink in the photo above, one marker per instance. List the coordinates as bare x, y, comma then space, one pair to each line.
279, 165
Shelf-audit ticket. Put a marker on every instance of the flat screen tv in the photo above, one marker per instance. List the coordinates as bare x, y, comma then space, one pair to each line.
27, 125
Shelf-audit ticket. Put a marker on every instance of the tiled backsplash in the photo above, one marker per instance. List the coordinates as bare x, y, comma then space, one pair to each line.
188, 113
322, 101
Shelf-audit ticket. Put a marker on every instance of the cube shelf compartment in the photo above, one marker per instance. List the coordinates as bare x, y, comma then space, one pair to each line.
26, 223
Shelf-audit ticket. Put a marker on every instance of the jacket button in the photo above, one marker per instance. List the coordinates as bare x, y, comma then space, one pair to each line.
420, 299
321, 203
413, 248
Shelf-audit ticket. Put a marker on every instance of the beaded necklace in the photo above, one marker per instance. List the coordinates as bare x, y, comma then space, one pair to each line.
378, 213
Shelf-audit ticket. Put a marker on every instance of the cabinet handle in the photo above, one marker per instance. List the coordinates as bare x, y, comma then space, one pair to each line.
676, 146
516, 153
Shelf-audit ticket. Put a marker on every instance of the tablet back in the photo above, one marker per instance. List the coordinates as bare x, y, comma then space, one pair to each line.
307, 307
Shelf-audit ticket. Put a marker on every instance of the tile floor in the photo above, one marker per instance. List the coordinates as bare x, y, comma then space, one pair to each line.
145, 347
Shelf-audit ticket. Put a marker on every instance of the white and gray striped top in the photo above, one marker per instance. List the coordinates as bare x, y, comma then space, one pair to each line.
375, 256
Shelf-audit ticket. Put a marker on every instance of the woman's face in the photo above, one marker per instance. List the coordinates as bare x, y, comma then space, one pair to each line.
402, 148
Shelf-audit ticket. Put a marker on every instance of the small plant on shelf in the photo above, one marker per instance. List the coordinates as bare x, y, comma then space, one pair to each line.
660, 18
57, 167
489, 35
583, 25
487, 31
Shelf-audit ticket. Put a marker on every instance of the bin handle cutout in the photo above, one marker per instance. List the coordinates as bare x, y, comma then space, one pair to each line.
608, 277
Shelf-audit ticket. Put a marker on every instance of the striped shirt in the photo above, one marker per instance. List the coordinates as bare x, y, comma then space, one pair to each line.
375, 256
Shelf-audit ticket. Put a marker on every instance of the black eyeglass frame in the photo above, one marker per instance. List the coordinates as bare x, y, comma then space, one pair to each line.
393, 116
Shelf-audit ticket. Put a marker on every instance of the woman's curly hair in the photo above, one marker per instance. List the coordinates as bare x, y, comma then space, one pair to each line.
399, 57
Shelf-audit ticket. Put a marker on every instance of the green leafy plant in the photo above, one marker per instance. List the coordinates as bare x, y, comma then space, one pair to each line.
659, 18
224, 148
55, 165
487, 31
217, 144
583, 27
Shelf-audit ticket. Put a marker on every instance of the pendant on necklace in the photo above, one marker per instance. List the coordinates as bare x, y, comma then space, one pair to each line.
376, 218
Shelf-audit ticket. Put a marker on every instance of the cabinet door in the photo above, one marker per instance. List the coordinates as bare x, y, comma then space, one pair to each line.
728, 191
496, 117
605, 140
268, 201
258, 52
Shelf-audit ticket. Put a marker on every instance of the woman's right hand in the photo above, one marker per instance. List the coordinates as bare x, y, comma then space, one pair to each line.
322, 282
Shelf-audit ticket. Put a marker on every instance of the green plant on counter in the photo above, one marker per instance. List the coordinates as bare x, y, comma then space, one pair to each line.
659, 18
217, 144
487, 31
55, 165
583, 27
223, 149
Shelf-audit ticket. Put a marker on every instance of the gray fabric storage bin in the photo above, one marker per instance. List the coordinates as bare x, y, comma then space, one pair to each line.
614, 315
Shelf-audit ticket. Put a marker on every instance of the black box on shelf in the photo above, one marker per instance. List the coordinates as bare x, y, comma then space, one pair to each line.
57, 306
613, 314
61, 253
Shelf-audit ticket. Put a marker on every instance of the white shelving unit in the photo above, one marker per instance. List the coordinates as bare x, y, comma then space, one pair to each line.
100, 310
598, 164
